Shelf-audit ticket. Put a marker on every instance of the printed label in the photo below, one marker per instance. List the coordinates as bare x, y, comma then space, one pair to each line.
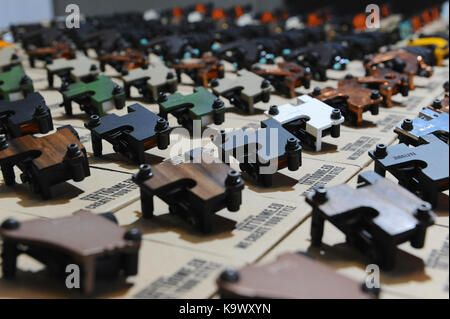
389, 123
181, 282
321, 177
106, 195
398, 157
360, 147
433, 84
414, 101
438, 259
262, 223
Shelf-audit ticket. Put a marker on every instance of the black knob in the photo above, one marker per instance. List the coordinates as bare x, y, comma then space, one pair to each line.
214, 83
117, 89
407, 125
399, 64
229, 275
39, 110
373, 290
3, 142
423, 212
292, 143
437, 104
218, 104
170, 76
133, 234
381, 150
265, 84
233, 178
273, 110
162, 97
25, 79
73, 150
145, 172
317, 91
375, 95
10, 224
320, 194
336, 114
161, 124
94, 121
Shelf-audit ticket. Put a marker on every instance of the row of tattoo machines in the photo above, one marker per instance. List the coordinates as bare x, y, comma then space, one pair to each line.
269, 54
